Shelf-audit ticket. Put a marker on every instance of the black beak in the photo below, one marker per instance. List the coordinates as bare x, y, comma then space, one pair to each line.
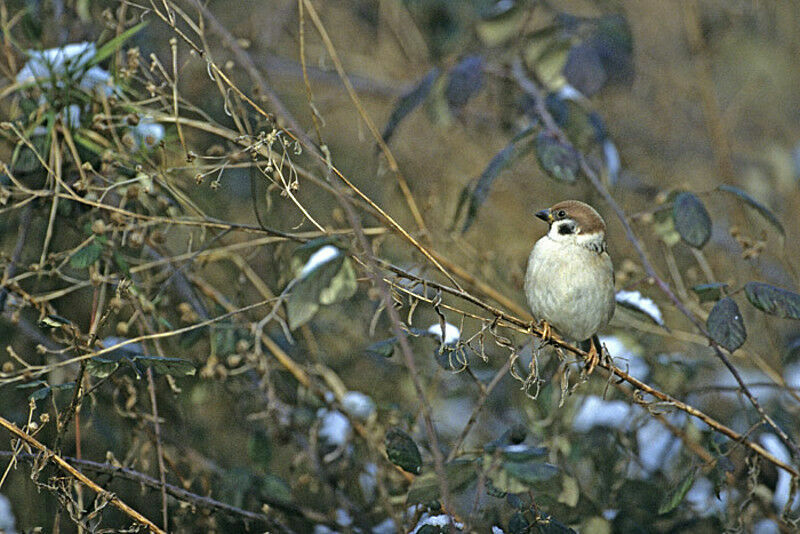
545, 215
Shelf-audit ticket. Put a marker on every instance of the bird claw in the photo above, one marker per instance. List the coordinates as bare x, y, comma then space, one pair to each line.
593, 357
547, 331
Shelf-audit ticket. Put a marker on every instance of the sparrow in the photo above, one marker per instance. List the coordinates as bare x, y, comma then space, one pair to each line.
569, 282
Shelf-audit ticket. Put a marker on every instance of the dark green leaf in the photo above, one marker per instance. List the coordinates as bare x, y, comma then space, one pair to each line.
34, 384
86, 256
402, 451
725, 324
274, 489
43, 392
756, 205
548, 525
773, 300
409, 102
710, 292
692, 220
673, 498
112, 45
518, 524
383, 348
167, 366
522, 453
583, 69
513, 436
426, 487
558, 159
122, 263
518, 477
530, 472
259, 448
463, 81
40, 393
477, 195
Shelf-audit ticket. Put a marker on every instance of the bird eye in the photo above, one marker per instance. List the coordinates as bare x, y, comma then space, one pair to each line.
561, 214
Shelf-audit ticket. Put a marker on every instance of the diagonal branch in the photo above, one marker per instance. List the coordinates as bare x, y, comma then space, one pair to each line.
83, 479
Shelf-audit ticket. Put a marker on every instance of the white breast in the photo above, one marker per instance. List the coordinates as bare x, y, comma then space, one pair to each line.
571, 287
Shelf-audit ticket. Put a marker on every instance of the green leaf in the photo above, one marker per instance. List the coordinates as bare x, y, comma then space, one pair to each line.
518, 477
167, 366
409, 102
52, 320
303, 301
328, 283
773, 300
426, 487
558, 159
709, 292
692, 220
86, 255
122, 263
673, 498
112, 45
402, 451
725, 324
342, 286
384, 348
756, 205
101, 367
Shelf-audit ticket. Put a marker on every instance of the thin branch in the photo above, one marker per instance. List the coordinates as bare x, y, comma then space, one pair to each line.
530, 87
201, 501
65, 466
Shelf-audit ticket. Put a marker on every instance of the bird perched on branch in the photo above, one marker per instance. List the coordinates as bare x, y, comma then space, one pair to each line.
570, 279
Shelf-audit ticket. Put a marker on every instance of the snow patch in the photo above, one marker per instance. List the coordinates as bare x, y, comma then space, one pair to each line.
451, 333
636, 300
358, 405
334, 427
321, 256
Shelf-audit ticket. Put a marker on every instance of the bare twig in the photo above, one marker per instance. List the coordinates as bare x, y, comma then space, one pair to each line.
65, 466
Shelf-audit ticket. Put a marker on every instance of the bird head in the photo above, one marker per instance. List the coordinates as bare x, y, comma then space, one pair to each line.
572, 221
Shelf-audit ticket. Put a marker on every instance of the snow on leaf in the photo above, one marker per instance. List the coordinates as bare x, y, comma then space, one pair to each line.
635, 301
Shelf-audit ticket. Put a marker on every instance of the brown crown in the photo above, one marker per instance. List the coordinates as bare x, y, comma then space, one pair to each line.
589, 221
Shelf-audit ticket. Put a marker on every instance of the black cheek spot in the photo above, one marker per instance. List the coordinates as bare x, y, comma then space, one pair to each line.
565, 229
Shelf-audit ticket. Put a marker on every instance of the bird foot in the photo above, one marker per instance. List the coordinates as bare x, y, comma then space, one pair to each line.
547, 331
594, 356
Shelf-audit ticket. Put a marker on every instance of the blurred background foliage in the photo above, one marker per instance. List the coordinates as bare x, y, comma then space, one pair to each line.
322, 429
